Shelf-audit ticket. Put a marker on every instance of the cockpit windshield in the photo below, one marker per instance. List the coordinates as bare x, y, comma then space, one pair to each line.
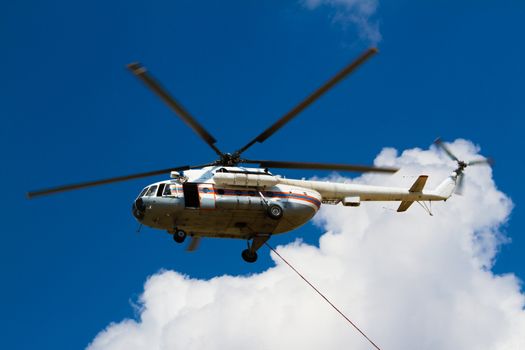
167, 189
143, 192
151, 191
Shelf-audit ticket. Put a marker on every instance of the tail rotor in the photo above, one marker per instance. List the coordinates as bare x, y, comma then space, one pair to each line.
462, 165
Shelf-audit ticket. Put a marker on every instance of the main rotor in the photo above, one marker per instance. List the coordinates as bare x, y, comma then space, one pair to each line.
232, 159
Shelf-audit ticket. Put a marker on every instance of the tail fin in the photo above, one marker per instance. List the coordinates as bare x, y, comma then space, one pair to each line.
446, 188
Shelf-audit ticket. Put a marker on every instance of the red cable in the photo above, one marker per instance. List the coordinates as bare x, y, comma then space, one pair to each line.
321, 294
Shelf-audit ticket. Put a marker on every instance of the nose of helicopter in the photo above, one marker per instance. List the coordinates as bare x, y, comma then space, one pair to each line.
138, 208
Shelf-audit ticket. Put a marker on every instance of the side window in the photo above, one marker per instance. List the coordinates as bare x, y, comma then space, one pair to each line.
151, 191
170, 190
143, 192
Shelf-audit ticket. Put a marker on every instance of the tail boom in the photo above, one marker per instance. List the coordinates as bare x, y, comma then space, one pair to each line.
331, 191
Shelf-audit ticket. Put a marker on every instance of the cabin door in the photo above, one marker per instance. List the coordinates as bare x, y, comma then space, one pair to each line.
191, 195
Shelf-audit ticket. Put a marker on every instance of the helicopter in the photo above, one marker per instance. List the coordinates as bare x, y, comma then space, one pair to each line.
225, 199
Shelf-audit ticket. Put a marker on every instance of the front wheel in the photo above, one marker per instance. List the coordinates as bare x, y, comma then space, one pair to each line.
179, 236
275, 212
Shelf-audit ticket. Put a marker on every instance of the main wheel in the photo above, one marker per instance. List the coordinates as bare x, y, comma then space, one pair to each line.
275, 212
179, 236
249, 256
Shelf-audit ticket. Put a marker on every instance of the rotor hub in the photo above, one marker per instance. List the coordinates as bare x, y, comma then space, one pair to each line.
461, 166
228, 159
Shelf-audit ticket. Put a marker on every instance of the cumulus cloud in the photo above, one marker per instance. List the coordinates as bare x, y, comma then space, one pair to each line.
357, 12
410, 280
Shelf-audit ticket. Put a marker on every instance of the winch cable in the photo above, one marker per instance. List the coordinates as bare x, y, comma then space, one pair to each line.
322, 295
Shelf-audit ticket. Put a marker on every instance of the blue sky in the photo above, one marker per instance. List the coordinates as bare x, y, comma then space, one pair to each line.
72, 263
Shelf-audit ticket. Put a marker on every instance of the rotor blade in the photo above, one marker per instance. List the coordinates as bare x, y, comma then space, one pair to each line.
320, 166
488, 161
194, 244
440, 143
311, 98
87, 184
460, 187
142, 73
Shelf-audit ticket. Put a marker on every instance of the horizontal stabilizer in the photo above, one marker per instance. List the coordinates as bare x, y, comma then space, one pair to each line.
416, 187
419, 184
404, 206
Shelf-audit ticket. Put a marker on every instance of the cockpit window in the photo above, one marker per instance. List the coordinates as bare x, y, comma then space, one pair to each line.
143, 192
151, 191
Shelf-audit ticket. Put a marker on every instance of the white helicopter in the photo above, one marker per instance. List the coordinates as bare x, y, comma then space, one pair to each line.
222, 199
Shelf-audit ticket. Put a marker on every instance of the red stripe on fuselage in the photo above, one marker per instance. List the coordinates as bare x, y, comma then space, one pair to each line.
252, 193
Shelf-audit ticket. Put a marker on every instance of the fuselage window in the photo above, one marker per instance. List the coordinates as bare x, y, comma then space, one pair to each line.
169, 190
151, 192
220, 191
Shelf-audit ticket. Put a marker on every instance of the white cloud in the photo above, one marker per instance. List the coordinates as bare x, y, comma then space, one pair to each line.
357, 12
409, 280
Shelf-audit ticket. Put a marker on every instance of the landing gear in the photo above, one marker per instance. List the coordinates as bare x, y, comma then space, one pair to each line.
275, 212
250, 255
179, 236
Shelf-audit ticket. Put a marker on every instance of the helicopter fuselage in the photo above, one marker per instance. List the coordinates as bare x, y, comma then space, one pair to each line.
211, 210
235, 202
